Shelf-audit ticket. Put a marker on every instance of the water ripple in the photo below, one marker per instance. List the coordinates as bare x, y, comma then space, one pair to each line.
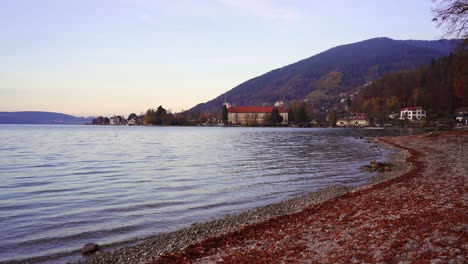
63, 186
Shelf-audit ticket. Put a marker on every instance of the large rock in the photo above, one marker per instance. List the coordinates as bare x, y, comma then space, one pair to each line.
89, 248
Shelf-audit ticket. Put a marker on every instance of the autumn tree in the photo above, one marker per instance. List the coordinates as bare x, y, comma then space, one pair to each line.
180, 119
453, 15
301, 113
298, 112
100, 120
150, 117
332, 116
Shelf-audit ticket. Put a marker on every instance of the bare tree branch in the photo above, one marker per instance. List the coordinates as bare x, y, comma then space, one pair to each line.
453, 16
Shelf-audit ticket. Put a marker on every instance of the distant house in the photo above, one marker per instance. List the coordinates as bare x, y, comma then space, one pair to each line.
113, 121
412, 113
279, 104
361, 121
393, 115
242, 115
354, 120
132, 122
461, 115
117, 120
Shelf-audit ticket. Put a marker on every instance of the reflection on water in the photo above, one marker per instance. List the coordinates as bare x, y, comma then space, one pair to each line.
64, 186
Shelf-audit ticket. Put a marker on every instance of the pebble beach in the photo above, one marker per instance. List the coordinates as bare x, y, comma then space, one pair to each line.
416, 212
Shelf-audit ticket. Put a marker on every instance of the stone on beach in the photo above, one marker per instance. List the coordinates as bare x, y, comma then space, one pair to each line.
377, 166
89, 248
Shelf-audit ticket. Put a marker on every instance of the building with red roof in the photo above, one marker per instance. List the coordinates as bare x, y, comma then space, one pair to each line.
412, 113
243, 115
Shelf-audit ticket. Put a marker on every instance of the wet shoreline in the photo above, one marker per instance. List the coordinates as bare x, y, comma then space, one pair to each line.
149, 249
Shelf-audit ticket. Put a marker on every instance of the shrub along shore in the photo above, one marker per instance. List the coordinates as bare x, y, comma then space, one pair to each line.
415, 211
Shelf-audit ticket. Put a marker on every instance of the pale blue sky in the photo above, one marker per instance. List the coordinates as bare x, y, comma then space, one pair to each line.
106, 57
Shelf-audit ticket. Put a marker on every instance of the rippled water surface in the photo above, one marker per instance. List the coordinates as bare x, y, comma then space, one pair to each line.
64, 186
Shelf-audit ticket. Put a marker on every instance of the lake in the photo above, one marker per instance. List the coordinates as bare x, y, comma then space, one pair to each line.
64, 186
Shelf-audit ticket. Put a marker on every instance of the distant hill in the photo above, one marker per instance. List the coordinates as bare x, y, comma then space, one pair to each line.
34, 117
340, 70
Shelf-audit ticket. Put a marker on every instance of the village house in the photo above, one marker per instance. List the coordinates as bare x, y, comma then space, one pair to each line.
461, 116
243, 115
132, 122
117, 121
394, 115
356, 121
114, 121
412, 113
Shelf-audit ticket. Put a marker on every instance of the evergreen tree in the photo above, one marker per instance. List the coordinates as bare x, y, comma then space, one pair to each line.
132, 116
160, 115
275, 117
225, 114
332, 118
301, 115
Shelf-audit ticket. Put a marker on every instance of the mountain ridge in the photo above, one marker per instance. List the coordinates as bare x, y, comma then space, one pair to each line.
41, 117
341, 69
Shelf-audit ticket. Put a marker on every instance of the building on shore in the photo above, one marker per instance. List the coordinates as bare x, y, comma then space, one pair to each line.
356, 121
117, 121
461, 116
244, 115
394, 116
412, 113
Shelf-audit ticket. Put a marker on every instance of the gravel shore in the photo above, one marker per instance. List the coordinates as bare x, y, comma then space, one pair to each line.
418, 217
149, 249
377, 222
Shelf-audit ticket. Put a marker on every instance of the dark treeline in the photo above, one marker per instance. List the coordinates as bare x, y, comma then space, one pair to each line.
157, 117
440, 87
161, 116
299, 112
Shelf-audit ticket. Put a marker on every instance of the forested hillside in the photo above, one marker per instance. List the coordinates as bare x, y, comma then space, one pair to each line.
322, 78
440, 87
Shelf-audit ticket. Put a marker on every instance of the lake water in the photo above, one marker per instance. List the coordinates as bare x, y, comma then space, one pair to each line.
64, 186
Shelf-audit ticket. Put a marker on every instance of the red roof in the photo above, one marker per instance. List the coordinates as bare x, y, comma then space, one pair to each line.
254, 109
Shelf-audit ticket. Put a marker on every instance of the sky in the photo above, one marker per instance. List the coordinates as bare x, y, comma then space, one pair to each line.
116, 57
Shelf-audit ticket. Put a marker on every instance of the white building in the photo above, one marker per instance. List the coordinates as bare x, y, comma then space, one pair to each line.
132, 122
352, 122
279, 104
412, 113
394, 116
